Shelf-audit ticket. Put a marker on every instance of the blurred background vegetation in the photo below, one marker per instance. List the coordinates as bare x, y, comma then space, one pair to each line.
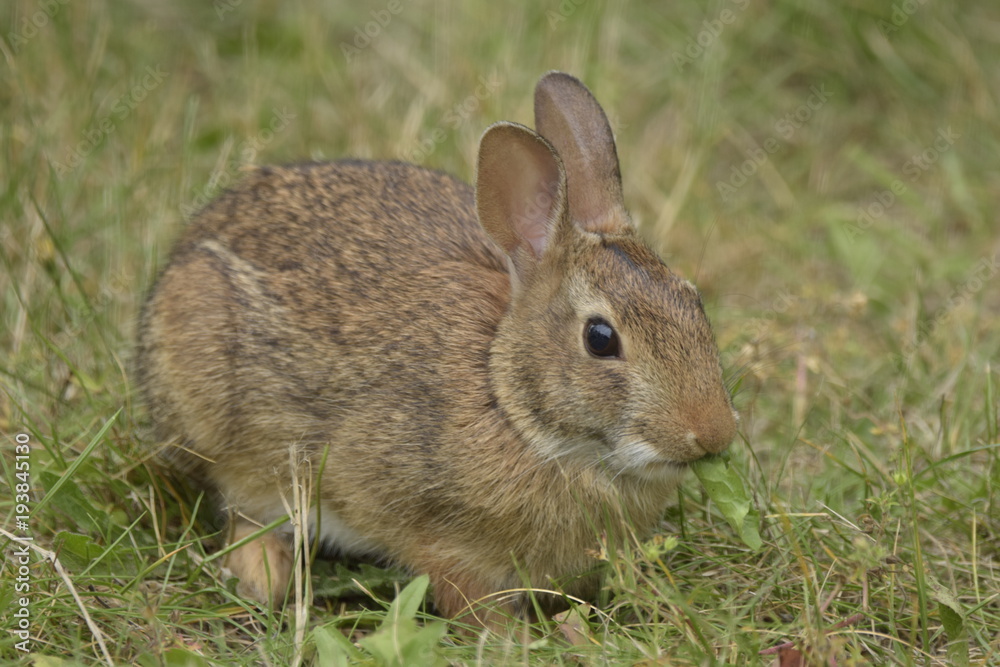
827, 174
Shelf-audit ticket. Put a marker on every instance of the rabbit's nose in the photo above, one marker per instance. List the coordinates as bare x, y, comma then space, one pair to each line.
713, 430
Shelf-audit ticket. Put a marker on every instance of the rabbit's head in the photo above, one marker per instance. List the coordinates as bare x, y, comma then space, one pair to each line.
605, 356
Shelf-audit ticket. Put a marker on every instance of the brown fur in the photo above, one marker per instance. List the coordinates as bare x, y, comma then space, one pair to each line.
361, 308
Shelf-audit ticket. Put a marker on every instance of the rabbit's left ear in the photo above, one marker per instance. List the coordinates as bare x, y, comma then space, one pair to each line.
569, 117
520, 192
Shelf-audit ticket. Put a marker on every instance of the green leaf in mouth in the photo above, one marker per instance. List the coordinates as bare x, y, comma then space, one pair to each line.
725, 487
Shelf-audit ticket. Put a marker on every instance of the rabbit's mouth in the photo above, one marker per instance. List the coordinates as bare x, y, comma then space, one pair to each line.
642, 459
667, 467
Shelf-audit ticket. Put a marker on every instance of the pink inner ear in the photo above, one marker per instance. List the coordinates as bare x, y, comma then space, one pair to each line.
536, 238
534, 198
520, 191
536, 218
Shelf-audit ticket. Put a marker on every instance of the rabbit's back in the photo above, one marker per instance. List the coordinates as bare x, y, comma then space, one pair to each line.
353, 213
309, 295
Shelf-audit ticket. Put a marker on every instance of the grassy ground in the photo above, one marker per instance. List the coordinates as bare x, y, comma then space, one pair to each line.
826, 172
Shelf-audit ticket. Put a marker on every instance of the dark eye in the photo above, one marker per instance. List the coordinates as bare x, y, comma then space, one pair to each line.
600, 338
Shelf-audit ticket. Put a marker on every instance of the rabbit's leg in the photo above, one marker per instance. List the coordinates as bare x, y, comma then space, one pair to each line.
263, 565
467, 597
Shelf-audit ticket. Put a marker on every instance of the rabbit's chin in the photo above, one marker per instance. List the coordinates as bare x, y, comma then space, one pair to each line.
659, 473
641, 460
634, 459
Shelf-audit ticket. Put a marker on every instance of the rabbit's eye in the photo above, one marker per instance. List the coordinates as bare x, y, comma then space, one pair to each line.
600, 338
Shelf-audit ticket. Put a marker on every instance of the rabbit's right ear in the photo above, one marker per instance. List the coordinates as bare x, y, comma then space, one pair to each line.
567, 115
520, 192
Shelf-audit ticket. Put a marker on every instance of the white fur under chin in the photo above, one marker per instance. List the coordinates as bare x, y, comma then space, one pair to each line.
640, 459
581, 449
635, 458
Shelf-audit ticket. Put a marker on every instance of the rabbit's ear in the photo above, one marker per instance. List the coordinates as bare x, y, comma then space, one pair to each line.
520, 191
569, 117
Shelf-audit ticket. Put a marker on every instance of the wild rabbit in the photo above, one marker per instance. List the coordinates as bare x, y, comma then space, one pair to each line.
496, 376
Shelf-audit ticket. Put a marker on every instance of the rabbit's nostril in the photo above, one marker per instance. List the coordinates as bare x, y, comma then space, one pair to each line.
712, 428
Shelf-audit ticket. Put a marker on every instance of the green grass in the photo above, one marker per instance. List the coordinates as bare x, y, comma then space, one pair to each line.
859, 322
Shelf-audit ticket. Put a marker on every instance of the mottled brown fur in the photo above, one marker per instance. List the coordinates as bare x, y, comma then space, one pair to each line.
431, 337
